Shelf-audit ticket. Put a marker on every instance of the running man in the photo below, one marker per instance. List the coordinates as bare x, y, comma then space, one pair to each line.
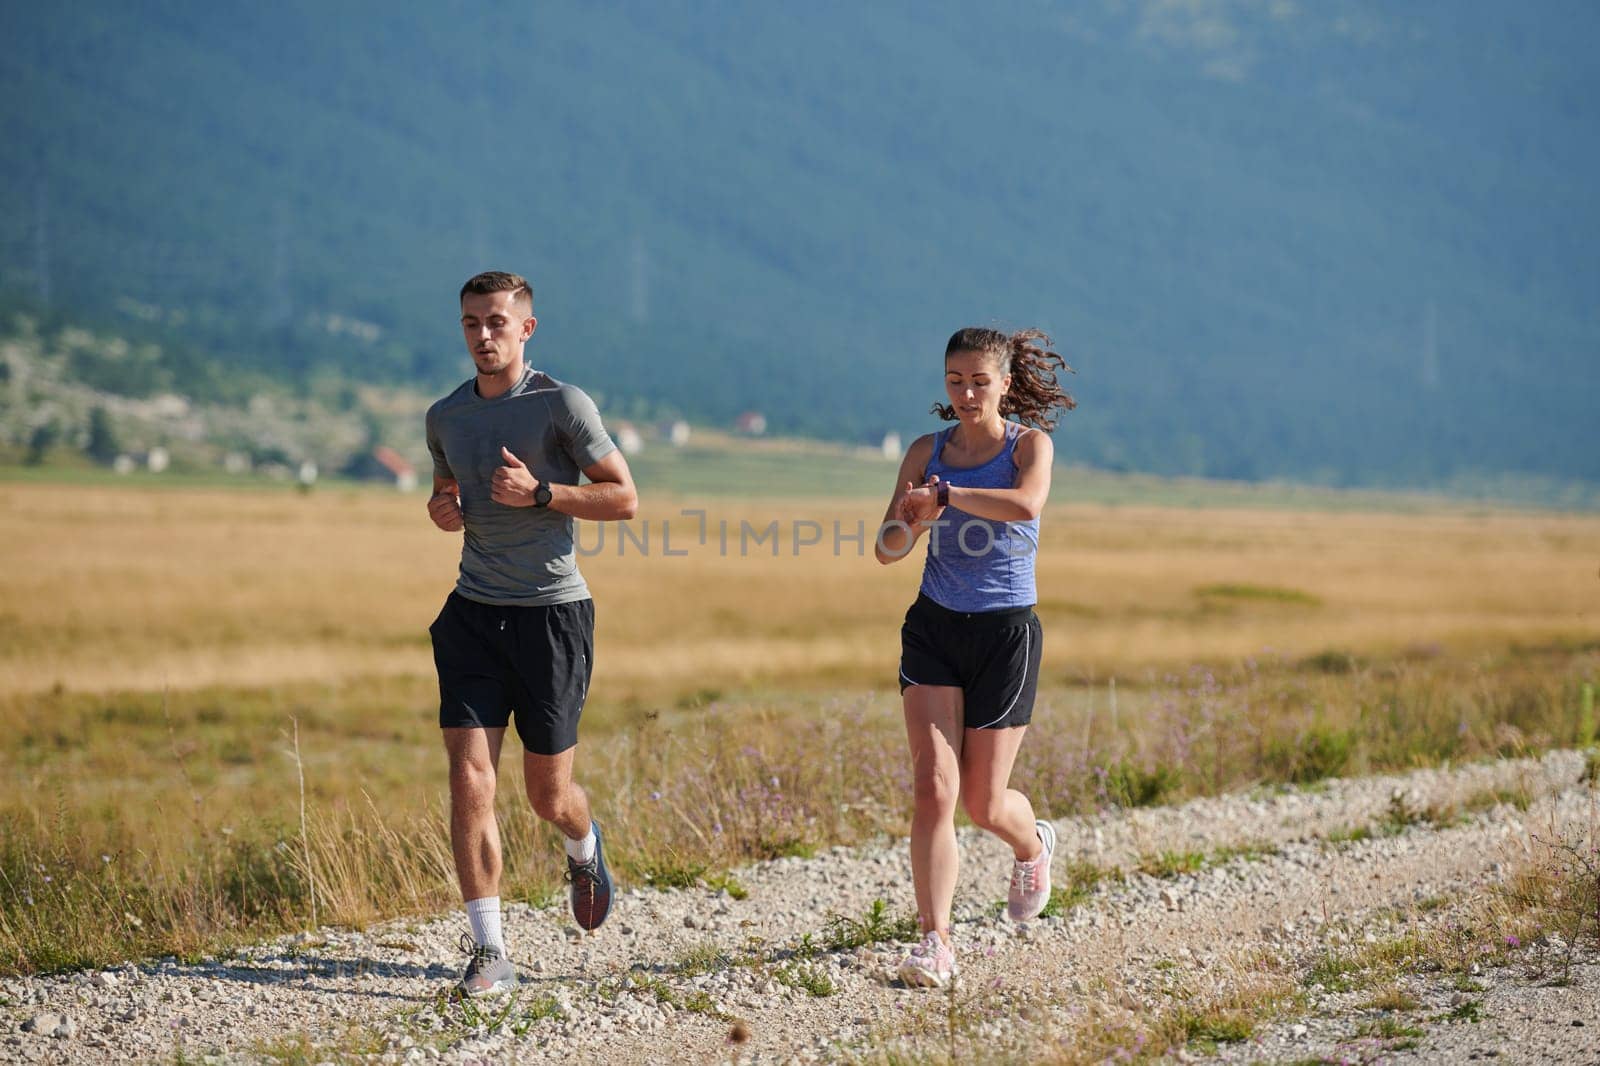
970, 645
515, 640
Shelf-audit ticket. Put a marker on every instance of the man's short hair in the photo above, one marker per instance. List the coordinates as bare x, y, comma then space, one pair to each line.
499, 281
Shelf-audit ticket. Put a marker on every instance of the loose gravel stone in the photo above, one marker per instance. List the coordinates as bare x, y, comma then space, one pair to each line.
628, 993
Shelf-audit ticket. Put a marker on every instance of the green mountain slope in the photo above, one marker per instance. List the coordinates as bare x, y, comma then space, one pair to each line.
1346, 243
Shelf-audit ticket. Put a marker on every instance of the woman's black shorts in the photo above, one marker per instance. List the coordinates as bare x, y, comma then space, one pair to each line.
534, 662
991, 656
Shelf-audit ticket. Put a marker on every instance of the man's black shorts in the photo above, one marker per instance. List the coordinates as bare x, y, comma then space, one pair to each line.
991, 656
533, 662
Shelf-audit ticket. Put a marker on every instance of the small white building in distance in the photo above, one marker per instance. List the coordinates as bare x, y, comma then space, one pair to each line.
890, 445
395, 465
753, 423
628, 438
676, 433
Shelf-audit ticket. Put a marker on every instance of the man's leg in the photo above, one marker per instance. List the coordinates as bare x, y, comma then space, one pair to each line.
555, 796
554, 666
474, 834
474, 755
474, 707
558, 800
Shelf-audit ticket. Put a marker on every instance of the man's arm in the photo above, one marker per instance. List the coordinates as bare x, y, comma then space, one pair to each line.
444, 506
610, 495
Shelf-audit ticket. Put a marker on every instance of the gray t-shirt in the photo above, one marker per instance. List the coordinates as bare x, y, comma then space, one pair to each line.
521, 556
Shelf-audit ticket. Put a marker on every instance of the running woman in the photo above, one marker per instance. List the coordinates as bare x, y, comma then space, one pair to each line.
516, 637
970, 645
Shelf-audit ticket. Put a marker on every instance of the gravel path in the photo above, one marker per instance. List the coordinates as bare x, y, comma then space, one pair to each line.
658, 982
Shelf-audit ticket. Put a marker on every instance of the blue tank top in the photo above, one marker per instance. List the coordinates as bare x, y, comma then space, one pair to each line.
973, 563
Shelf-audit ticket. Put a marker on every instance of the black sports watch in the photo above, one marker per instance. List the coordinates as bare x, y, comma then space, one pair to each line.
541, 495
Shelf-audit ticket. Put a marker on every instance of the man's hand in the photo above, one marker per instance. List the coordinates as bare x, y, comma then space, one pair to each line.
444, 507
513, 484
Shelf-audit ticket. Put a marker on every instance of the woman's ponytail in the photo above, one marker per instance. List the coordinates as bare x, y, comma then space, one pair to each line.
1035, 394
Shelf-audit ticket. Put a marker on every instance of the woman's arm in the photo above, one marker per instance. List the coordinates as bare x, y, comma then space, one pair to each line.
1022, 503
897, 534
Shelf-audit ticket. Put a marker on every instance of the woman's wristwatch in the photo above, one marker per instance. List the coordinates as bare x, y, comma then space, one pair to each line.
942, 494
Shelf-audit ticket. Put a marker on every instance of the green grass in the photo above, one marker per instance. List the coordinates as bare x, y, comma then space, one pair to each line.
1393, 999
1376, 965
1334, 972
1169, 864
354, 1044
1392, 1035
1257, 593
694, 1000
1076, 886
1172, 863
702, 958
201, 780
1489, 798
664, 873
1468, 1010
1390, 1029
1396, 819
1319, 752
726, 882
1395, 953
809, 978
1130, 785
1331, 661
875, 927
1217, 1026
1250, 851
697, 1002
1350, 834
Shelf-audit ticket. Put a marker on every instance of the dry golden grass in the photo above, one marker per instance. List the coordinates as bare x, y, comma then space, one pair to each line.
157, 646
115, 589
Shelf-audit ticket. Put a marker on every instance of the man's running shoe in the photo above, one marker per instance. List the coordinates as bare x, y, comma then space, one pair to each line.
1030, 881
489, 973
931, 964
591, 885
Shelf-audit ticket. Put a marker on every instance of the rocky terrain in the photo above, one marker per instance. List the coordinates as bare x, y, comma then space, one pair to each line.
1242, 905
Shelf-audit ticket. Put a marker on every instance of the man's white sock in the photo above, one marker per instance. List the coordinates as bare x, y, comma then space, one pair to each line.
582, 850
484, 917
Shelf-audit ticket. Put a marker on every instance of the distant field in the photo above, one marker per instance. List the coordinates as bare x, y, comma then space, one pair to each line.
159, 649
717, 465
109, 588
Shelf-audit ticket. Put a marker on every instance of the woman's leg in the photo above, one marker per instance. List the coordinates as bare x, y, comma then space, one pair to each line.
933, 726
986, 759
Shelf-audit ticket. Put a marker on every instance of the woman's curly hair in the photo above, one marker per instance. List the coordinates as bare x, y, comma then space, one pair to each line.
1035, 394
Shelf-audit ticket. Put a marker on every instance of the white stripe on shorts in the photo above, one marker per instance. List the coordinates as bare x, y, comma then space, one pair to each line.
1027, 636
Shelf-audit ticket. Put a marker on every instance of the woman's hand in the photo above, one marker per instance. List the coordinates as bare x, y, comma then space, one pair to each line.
919, 505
